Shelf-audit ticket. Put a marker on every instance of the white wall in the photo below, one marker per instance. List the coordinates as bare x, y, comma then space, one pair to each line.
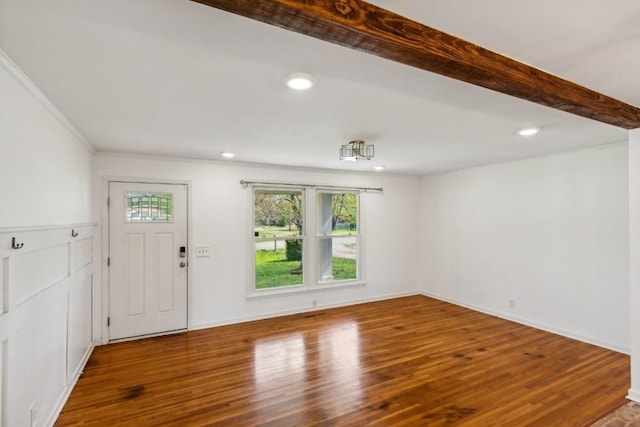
220, 218
45, 171
550, 233
634, 260
45, 286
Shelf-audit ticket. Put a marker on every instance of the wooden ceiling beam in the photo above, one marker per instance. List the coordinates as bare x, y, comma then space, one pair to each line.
368, 28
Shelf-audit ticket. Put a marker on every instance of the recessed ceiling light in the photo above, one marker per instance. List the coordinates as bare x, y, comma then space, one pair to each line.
300, 81
228, 155
528, 131
378, 168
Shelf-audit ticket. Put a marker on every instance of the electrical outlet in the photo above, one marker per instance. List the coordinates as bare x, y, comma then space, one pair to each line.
512, 303
314, 303
203, 251
33, 415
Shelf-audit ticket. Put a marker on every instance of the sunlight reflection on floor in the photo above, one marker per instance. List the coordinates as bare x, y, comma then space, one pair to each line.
286, 361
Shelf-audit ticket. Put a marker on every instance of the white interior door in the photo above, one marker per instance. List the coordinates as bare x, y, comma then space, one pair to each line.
148, 259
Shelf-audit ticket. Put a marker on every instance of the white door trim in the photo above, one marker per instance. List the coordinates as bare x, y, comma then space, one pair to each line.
101, 301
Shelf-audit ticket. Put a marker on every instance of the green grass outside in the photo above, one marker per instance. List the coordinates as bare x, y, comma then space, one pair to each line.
273, 270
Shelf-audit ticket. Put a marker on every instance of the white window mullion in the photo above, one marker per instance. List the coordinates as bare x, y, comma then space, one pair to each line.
328, 229
310, 246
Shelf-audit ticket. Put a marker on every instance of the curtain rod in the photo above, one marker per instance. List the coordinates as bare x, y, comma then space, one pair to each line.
365, 189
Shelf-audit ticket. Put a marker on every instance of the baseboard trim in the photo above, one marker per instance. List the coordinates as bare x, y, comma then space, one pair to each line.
69, 388
532, 323
280, 313
633, 395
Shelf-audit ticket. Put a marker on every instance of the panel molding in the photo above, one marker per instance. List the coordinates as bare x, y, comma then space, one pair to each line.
69, 388
46, 227
27, 282
134, 274
47, 292
164, 273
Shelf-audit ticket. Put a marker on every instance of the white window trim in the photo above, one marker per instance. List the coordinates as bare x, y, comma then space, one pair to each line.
309, 244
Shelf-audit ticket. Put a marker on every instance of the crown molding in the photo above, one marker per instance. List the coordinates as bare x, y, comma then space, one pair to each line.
35, 91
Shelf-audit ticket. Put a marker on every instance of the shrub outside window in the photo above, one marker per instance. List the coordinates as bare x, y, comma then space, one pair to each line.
304, 238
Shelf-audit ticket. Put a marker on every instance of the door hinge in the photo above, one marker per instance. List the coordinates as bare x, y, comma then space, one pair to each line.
108, 202
108, 321
108, 261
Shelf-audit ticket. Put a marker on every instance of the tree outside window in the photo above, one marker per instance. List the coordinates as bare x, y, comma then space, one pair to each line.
280, 234
279, 238
338, 236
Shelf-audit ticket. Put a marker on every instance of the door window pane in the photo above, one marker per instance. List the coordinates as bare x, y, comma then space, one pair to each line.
148, 207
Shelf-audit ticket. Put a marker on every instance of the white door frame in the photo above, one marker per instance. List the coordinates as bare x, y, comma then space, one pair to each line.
101, 302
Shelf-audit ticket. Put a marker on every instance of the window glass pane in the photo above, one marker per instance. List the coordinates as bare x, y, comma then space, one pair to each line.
337, 214
148, 207
277, 213
338, 258
279, 266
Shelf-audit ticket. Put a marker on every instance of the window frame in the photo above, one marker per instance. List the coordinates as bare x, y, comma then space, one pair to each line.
253, 290
310, 242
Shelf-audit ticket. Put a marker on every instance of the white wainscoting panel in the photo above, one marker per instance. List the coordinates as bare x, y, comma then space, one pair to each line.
37, 360
81, 253
79, 323
35, 271
45, 321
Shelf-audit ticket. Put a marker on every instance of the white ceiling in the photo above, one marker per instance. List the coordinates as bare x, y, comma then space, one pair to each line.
175, 78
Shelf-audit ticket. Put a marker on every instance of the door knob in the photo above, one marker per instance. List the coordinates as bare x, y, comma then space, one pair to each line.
183, 264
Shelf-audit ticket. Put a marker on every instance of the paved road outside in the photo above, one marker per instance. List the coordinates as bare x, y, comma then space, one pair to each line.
340, 248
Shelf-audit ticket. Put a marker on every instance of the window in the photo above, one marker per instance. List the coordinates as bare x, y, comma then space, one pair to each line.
338, 236
278, 225
148, 207
288, 254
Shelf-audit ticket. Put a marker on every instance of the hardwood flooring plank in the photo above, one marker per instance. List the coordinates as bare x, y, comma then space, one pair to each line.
410, 361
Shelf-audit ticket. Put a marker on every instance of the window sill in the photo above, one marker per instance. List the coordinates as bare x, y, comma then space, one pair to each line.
263, 293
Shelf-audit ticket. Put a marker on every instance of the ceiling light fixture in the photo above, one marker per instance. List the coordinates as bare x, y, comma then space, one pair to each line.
228, 155
300, 81
356, 150
528, 131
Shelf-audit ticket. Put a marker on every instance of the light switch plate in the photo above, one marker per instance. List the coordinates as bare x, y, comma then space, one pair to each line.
203, 251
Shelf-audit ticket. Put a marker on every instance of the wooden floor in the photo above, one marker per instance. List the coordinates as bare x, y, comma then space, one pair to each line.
410, 361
